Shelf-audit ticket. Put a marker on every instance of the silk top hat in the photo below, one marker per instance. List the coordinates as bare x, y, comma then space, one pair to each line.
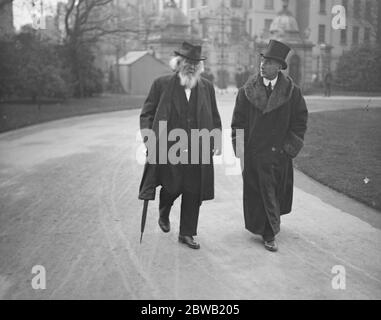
278, 51
190, 52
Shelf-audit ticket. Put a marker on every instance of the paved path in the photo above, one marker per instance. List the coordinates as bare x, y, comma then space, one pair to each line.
68, 202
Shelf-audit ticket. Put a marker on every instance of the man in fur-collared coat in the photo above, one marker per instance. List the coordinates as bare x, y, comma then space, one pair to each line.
272, 112
183, 101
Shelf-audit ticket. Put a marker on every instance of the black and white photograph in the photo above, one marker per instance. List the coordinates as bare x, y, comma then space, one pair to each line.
190, 155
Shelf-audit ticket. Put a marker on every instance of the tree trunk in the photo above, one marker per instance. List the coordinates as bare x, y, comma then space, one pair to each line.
76, 68
378, 22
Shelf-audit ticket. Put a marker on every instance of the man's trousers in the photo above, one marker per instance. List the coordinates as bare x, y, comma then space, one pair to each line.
190, 208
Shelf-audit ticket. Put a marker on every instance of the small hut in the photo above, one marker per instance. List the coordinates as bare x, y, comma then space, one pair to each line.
137, 70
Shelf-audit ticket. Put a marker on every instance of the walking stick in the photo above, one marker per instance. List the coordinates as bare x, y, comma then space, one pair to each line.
144, 216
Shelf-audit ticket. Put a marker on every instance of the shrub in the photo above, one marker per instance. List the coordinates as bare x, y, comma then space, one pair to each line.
32, 69
360, 69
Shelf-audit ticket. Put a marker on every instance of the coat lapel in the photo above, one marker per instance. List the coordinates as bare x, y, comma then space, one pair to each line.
201, 96
256, 93
280, 95
163, 109
177, 99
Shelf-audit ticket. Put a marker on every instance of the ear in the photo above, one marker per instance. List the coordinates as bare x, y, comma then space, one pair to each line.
174, 63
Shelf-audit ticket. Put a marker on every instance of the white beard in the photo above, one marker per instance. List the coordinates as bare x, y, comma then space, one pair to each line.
189, 80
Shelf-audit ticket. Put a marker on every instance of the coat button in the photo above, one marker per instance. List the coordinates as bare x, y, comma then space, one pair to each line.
273, 149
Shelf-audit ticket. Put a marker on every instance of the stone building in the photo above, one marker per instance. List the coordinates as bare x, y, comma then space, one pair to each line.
285, 28
168, 30
312, 20
315, 18
226, 43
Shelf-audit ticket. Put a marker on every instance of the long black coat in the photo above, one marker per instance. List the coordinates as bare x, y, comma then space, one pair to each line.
274, 131
163, 105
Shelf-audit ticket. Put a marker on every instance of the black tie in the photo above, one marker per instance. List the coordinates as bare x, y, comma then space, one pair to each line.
269, 89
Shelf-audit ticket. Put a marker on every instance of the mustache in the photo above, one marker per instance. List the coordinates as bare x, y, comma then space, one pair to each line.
188, 79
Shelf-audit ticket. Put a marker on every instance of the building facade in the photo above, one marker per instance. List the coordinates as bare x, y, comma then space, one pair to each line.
222, 28
314, 19
285, 28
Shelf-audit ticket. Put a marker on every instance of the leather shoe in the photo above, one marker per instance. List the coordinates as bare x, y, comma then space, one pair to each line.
165, 225
271, 245
189, 241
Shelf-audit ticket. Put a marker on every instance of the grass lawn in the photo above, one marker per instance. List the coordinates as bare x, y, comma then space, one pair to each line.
18, 114
343, 151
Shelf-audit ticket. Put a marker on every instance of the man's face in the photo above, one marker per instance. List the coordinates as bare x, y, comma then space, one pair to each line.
269, 68
189, 67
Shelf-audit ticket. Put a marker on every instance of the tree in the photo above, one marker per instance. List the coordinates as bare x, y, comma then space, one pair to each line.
31, 68
379, 22
86, 23
3, 3
6, 19
360, 69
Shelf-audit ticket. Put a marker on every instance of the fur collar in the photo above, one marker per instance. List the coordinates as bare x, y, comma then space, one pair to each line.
256, 92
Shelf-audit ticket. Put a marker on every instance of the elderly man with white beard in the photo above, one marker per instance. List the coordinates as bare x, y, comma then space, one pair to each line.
184, 101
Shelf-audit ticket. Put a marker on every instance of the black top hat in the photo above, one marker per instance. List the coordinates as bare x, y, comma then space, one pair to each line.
190, 51
278, 51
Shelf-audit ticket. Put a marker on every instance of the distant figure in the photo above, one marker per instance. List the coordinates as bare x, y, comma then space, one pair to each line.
207, 74
314, 78
238, 77
222, 80
327, 84
151, 51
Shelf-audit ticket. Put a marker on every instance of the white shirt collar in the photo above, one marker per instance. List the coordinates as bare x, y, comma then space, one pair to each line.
188, 93
273, 82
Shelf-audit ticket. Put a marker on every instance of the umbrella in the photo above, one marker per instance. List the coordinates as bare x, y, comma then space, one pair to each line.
147, 191
144, 216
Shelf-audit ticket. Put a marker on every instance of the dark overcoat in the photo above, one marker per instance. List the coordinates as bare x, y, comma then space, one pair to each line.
163, 105
274, 131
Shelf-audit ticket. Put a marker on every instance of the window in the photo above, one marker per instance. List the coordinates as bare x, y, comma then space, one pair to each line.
250, 4
345, 5
356, 9
322, 7
366, 35
343, 37
193, 4
268, 23
236, 3
368, 11
250, 27
204, 3
235, 29
321, 35
269, 4
355, 35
